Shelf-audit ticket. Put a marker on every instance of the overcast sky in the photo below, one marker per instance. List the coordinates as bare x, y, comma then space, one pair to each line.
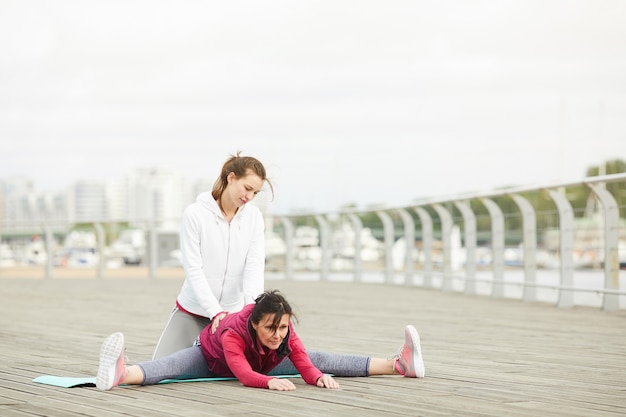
356, 101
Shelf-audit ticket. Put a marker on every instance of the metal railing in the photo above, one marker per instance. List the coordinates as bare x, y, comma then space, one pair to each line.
610, 289
419, 244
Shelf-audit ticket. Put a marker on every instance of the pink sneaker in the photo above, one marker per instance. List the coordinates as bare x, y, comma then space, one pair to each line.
112, 370
410, 362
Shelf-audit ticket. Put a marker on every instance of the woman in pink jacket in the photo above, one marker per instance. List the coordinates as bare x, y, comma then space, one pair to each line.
248, 345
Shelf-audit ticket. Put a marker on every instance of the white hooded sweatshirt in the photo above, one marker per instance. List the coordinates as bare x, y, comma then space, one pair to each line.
224, 262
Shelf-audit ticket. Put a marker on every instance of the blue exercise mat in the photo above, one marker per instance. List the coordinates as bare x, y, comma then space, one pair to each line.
74, 382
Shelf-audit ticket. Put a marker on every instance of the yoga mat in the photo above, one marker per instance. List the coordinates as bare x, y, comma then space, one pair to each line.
74, 382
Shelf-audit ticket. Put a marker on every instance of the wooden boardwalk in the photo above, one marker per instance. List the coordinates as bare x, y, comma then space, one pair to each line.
484, 357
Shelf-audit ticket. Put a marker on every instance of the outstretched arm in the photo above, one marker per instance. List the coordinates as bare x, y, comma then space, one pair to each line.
305, 367
234, 347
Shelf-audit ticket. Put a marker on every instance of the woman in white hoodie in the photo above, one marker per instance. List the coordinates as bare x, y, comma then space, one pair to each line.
222, 241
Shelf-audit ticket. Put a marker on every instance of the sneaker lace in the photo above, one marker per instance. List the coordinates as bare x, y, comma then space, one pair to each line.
396, 357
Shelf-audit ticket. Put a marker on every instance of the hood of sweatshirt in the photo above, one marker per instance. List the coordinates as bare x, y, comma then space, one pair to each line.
207, 201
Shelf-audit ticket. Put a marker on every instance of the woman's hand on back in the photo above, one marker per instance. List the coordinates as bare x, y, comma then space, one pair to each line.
216, 321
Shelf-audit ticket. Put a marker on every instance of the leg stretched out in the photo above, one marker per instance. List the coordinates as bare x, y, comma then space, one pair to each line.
187, 363
407, 362
179, 333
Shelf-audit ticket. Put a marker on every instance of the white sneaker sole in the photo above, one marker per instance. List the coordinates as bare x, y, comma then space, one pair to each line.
112, 348
413, 340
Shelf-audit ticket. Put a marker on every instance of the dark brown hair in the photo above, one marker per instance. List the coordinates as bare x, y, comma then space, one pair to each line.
239, 165
271, 302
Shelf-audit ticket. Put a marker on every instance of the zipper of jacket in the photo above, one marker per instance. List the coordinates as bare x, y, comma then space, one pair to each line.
226, 264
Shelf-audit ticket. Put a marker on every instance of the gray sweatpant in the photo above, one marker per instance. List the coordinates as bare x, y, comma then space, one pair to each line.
180, 332
189, 363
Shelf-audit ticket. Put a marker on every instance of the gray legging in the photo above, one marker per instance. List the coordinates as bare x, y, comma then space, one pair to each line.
189, 363
181, 331
329, 363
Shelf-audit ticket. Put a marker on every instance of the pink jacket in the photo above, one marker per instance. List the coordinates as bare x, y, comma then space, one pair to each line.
233, 350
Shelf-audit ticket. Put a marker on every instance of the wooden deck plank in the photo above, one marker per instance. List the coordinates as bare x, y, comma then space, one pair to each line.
484, 356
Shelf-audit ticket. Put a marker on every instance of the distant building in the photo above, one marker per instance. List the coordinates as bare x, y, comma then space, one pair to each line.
117, 193
144, 198
88, 202
157, 195
22, 211
14, 194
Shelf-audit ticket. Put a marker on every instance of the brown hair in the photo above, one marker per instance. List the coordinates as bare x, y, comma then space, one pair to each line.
239, 165
274, 303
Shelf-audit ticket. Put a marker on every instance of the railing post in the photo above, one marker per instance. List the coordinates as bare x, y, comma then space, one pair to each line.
611, 236
427, 245
100, 243
497, 246
469, 221
289, 230
409, 238
446, 234
566, 246
357, 226
48, 244
324, 237
389, 238
529, 233
154, 250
